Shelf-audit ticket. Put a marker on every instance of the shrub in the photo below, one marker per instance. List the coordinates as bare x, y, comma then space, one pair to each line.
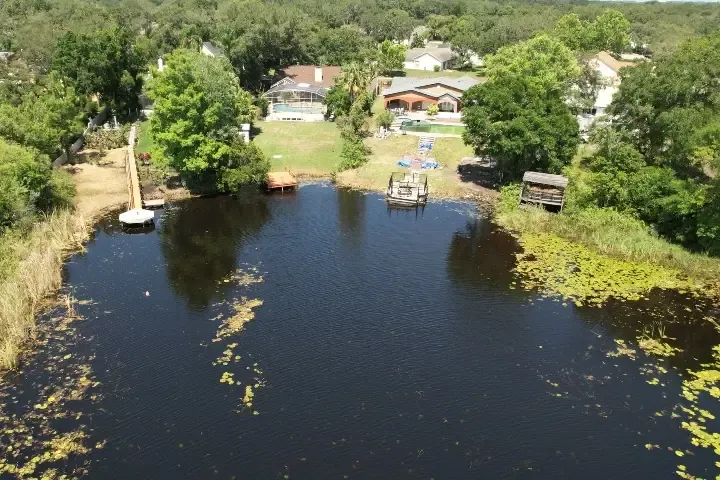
436, 68
384, 119
432, 110
354, 154
102, 139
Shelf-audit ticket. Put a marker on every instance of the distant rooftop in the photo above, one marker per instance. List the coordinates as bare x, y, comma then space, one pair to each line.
442, 54
612, 62
405, 84
213, 50
5, 56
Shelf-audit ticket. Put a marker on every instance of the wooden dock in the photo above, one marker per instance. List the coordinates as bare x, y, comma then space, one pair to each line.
280, 181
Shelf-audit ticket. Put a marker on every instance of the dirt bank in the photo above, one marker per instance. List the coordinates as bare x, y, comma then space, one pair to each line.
101, 182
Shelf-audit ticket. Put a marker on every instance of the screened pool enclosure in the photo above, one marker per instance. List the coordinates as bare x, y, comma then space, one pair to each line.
300, 98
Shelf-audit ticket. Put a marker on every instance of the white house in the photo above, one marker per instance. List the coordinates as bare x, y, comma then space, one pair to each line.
211, 50
609, 67
429, 58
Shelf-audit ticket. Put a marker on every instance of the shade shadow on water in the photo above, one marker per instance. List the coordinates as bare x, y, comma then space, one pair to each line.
394, 344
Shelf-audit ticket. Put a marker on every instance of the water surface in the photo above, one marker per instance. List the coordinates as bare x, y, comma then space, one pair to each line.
393, 344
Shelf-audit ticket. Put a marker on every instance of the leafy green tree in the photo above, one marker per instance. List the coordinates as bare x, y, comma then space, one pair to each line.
543, 61
338, 101
610, 31
390, 57
104, 63
572, 32
522, 130
384, 119
48, 118
199, 108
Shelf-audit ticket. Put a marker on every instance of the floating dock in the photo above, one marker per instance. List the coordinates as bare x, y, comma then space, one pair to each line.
280, 181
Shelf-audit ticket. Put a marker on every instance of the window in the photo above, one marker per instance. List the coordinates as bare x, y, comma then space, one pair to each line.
446, 107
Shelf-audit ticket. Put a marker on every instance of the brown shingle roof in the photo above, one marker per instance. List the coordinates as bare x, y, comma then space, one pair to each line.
306, 74
612, 62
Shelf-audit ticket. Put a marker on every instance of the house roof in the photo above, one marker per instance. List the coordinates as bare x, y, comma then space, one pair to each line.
612, 62
408, 84
306, 74
441, 54
546, 179
215, 51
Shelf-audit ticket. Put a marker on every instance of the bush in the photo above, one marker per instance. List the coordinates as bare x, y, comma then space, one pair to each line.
384, 119
433, 109
354, 154
436, 68
102, 139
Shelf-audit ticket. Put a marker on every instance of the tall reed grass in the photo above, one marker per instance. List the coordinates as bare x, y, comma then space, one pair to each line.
32, 270
608, 232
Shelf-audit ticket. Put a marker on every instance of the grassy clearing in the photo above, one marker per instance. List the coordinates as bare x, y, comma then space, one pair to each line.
31, 270
306, 148
145, 142
609, 233
443, 183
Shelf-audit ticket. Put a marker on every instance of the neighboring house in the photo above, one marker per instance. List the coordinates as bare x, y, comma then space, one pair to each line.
609, 68
430, 57
300, 92
418, 31
211, 50
417, 94
6, 56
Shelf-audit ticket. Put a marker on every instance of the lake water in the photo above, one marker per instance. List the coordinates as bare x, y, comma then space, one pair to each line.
391, 344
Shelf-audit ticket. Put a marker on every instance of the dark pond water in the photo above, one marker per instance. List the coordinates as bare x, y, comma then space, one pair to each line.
392, 344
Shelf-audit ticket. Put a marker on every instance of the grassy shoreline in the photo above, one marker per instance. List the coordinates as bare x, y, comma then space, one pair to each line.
32, 272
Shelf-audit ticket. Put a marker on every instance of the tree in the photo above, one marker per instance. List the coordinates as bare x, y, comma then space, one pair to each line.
390, 57
611, 32
103, 63
545, 63
338, 101
355, 78
199, 108
384, 119
48, 118
572, 32
508, 120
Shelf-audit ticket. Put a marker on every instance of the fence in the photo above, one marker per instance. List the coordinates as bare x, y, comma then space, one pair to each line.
100, 118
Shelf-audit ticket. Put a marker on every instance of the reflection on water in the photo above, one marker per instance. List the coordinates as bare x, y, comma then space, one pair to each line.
351, 214
200, 242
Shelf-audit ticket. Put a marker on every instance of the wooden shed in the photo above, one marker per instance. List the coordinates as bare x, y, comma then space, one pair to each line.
543, 189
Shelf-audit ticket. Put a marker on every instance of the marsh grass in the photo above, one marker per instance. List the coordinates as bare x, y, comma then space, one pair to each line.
30, 270
610, 233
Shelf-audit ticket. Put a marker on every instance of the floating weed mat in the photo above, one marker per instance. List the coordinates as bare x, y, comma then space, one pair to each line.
41, 415
231, 325
555, 266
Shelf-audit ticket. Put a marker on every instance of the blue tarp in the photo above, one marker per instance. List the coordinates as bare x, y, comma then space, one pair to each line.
427, 164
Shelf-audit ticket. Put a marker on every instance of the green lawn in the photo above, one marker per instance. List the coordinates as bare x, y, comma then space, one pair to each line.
145, 143
309, 148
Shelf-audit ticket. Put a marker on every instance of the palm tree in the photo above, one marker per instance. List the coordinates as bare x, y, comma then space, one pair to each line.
355, 78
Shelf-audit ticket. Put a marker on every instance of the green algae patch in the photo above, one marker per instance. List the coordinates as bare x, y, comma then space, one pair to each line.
555, 266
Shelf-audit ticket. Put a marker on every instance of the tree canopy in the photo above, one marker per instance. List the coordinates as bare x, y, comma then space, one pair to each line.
199, 109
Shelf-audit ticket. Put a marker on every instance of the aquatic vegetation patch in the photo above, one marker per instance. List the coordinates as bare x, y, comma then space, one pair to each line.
622, 350
242, 313
555, 266
244, 277
42, 422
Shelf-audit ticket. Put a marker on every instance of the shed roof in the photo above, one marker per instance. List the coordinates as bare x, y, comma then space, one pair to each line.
546, 179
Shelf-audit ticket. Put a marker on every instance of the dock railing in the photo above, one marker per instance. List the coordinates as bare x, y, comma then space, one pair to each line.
134, 194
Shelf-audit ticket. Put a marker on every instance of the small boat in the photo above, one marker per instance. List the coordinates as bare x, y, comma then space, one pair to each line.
137, 216
407, 188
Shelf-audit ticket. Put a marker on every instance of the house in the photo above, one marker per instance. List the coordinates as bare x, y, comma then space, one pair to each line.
211, 50
434, 56
609, 67
417, 32
417, 94
300, 92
